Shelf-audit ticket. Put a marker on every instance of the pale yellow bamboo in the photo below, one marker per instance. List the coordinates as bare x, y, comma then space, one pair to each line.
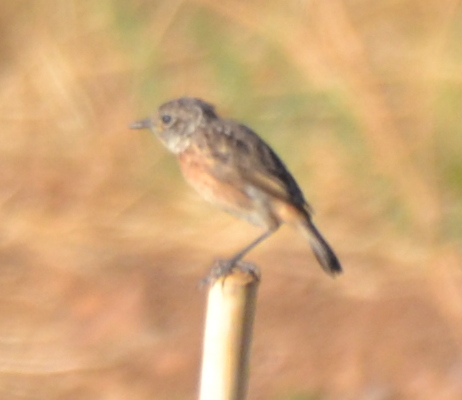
228, 334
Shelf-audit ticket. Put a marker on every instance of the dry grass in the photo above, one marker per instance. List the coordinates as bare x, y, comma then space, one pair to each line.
362, 100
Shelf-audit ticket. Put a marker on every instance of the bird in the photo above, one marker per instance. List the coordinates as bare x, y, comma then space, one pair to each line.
233, 168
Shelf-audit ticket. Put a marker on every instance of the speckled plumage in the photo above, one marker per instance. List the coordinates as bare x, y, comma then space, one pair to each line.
233, 168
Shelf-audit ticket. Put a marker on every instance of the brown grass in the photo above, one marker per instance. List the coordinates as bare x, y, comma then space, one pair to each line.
102, 243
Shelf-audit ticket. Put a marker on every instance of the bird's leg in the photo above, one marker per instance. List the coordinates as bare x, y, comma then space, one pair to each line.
224, 267
233, 260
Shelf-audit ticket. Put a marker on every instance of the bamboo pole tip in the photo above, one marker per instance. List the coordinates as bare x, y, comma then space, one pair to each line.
232, 296
242, 274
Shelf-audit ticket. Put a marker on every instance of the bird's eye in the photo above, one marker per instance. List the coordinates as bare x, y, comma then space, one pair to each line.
166, 119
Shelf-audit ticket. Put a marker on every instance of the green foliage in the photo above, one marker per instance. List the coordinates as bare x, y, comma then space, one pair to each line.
251, 71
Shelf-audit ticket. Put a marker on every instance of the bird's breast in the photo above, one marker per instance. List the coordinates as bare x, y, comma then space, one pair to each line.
230, 191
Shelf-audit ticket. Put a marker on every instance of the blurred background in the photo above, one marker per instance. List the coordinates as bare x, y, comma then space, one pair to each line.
102, 244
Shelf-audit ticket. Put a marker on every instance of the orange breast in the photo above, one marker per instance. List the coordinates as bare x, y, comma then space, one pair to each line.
197, 168
233, 194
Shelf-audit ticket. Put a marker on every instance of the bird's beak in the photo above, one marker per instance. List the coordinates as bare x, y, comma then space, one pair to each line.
142, 124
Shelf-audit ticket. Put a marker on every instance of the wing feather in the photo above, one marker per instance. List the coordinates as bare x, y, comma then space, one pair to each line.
242, 156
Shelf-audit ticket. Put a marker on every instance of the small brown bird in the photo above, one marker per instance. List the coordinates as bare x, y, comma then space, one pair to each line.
233, 168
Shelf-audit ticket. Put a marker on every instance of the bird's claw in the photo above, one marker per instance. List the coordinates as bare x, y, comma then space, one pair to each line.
224, 268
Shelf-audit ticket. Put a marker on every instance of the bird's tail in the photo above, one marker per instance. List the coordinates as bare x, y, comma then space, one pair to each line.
323, 252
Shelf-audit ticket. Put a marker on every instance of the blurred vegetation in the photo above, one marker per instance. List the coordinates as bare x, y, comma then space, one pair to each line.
361, 99
301, 397
381, 81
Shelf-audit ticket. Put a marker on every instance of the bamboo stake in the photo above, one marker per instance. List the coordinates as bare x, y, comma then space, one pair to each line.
228, 334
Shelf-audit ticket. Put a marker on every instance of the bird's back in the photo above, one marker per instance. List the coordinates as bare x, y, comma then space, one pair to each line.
238, 150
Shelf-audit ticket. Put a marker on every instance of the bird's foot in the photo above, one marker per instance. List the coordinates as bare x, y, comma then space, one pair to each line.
224, 268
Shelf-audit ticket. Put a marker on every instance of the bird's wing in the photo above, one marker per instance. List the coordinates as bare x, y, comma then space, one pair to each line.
240, 154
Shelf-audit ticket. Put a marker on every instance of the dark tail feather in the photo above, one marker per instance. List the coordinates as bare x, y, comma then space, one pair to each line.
324, 254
